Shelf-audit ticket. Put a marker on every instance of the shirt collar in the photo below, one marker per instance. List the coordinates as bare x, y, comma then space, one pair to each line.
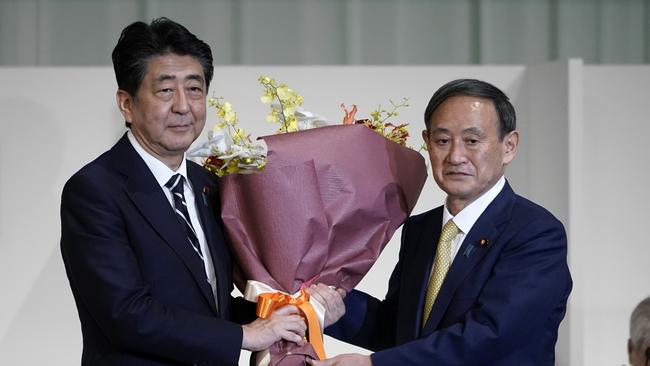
468, 216
160, 171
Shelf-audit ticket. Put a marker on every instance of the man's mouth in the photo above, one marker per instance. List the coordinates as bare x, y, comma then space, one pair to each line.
180, 126
457, 174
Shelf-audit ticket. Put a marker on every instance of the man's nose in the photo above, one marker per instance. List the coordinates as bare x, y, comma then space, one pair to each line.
457, 153
180, 105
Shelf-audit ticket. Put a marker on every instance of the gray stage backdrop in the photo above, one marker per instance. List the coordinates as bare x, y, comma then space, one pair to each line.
583, 155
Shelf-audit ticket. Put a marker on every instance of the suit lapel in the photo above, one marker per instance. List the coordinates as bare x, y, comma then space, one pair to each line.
416, 276
478, 242
206, 193
143, 189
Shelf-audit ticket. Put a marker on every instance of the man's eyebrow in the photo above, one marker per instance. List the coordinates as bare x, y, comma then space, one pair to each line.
165, 77
195, 77
439, 130
470, 130
474, 130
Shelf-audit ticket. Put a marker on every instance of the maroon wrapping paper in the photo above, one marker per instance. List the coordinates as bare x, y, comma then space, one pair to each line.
290, 354
324, 207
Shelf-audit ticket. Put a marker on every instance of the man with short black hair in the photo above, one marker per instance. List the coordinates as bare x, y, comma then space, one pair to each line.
141, 235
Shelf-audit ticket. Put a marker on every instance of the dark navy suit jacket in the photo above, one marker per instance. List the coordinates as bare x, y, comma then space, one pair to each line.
500, 304
140, 289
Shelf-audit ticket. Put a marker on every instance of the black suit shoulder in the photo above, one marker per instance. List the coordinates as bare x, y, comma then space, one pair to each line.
92, 180
531, 209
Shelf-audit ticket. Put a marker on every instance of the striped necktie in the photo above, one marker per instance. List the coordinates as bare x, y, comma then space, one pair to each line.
440, 267
175, 185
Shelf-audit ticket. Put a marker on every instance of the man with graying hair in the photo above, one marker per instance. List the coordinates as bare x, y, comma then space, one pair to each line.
638, 346
480, 280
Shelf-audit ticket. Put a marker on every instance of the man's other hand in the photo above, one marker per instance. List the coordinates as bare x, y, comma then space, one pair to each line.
331, 299
285, 323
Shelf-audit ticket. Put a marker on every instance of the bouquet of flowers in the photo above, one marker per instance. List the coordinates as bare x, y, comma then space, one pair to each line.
322, 203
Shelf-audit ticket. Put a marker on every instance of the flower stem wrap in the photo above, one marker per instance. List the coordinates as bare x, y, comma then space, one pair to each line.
268, 300
267, 303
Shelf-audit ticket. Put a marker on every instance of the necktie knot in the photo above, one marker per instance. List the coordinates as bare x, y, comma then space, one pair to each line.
175, 184
449, 232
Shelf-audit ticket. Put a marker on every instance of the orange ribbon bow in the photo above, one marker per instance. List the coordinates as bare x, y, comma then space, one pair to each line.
268, 302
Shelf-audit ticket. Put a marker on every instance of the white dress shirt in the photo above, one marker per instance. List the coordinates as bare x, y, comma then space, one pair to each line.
467, 217
163, 173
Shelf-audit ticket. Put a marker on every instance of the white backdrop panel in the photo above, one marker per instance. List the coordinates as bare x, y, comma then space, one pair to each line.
57, 119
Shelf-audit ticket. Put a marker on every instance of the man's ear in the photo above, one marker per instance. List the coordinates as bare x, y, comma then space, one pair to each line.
630, 350
510, 143
125, 104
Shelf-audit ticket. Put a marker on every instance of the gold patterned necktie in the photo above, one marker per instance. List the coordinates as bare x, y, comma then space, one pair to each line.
440, 267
